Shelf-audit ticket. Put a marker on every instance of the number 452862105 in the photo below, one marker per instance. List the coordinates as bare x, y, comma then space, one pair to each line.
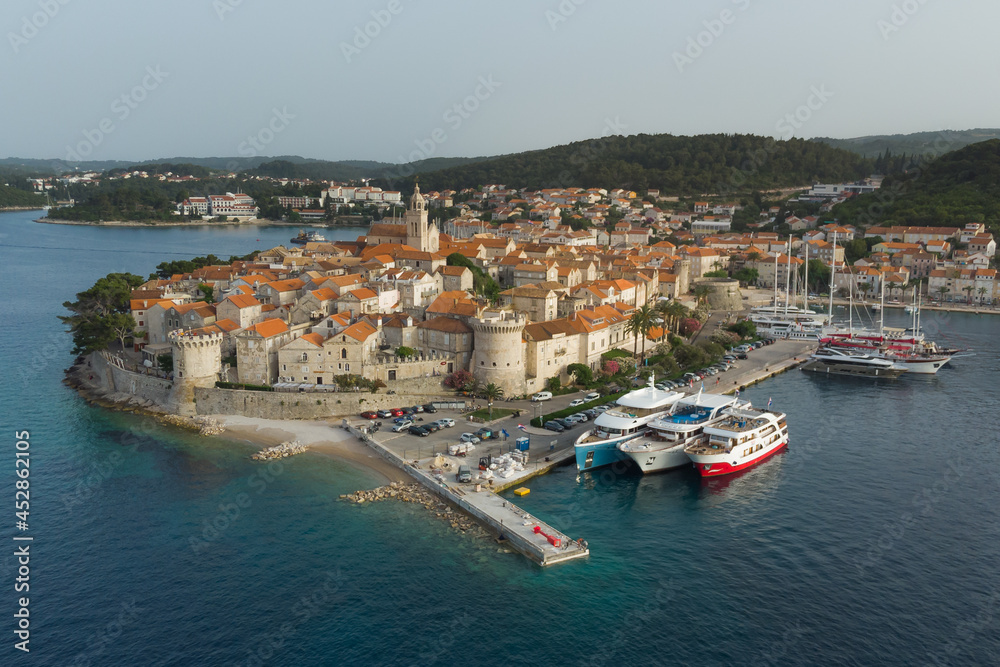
22, 463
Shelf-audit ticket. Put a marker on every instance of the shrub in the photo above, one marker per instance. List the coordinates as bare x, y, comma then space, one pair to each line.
403, 351
744, 329
610, 367
725, 338
459, 380
553, 384
581, 372
247, 387
689, 326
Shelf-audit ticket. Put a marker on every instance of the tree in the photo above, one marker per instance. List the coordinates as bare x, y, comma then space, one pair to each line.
745, 329
701, 293
91, 322
632, 328
968, 293
207, 292
689, 326
492, 392
982, 293
942, 291
121, 326
581, 372
645, 315
553, 384
458, 380
747, 276
404, 351
717, 274
165, 362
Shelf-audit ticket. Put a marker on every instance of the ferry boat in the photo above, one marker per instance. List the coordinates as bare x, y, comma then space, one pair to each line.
792, 330
787, 313
837, 361
745, 437
628, 420
663, 447
308, 237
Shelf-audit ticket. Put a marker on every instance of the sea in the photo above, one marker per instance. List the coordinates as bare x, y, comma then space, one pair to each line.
873, 540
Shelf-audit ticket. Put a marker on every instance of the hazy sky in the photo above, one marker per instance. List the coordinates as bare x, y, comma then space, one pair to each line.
135, 80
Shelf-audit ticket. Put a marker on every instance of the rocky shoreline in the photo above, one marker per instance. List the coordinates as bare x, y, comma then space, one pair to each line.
416, 493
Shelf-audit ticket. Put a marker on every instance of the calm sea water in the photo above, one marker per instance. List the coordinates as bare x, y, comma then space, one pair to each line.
874, 540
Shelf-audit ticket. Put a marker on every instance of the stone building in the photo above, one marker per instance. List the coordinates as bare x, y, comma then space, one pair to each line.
499, 350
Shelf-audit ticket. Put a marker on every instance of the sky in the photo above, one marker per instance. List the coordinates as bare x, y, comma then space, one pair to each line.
398, 80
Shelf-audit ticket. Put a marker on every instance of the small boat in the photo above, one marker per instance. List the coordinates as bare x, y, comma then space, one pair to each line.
308, 237
744, 438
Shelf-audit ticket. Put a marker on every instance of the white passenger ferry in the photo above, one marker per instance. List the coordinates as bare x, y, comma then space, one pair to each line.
745, 437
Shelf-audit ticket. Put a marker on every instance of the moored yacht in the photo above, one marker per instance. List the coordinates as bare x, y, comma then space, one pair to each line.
663, 447
836, 361
628, 420
744, 437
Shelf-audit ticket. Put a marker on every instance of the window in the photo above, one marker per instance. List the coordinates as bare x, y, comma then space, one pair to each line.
343, 353
283, 367
347, 367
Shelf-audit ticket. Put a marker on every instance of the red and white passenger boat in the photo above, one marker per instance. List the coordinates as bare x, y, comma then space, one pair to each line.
744, 438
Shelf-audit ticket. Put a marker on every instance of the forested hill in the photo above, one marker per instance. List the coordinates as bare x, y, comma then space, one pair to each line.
673, 164
11, 197
918, 143
957, 188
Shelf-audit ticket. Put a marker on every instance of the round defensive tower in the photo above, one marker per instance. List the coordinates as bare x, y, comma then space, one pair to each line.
498, 356
197, 362
722, 293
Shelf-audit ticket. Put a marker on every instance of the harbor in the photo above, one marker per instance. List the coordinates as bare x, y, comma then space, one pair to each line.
431, 465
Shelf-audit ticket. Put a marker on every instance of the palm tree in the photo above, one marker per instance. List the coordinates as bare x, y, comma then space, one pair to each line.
942, 291
700, 292
492, 392
645, 315
982, 293
632, 328
968, 293
474, 387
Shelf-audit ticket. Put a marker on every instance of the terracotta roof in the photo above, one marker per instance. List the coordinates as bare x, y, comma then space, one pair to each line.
364, 293
314, 338
445, 324
243, 301
268, 328
360, 331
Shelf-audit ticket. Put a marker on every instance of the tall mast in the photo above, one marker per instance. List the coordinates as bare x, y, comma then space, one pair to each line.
776, 283
833, 273
788, 276
881, 310
850, 304
805, 288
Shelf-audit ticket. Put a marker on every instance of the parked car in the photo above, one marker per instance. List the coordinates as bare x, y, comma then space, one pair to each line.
729, 357
430, 408
592, 413
396, 412
742, 355
470, 438
576, 401
384, 414
581, 417
542, 396
592, 396
417, 408
368, 414
432, 427
565, 421
418, 430
601, 408
554, 426
757, 345
486, 433
464, 475
446, 422
402, 426
407, 412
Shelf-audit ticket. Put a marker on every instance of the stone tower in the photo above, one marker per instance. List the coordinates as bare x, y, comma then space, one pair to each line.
420, 234
197, 362
682, 267
498, 356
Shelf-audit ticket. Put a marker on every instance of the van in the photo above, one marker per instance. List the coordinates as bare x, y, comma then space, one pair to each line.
464, 474
542, 396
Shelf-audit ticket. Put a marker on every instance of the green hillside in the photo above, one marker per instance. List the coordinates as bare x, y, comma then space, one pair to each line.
957, 188
675, 165
919, 143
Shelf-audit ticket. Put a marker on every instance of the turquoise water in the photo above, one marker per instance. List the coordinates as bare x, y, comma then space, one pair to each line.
873, 540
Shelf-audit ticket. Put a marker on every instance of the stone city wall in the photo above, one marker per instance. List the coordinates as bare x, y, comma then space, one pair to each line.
124, 386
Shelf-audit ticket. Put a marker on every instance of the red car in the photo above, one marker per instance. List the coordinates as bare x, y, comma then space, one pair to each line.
369, 415
397, 412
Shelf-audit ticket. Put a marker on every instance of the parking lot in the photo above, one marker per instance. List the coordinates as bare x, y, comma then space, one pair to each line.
544, 442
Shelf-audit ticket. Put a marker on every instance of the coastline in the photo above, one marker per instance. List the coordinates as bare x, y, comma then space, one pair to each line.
202, 223
322, 437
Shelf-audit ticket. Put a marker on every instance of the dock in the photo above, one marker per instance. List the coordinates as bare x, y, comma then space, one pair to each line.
529, 535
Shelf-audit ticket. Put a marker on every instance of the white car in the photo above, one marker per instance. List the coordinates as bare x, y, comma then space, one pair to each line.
580, 417
542, 396
592, 396
576, 401
446, 422
602, 408
470, 437
402, 426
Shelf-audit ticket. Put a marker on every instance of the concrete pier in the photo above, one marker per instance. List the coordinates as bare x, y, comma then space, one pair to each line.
502, 517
